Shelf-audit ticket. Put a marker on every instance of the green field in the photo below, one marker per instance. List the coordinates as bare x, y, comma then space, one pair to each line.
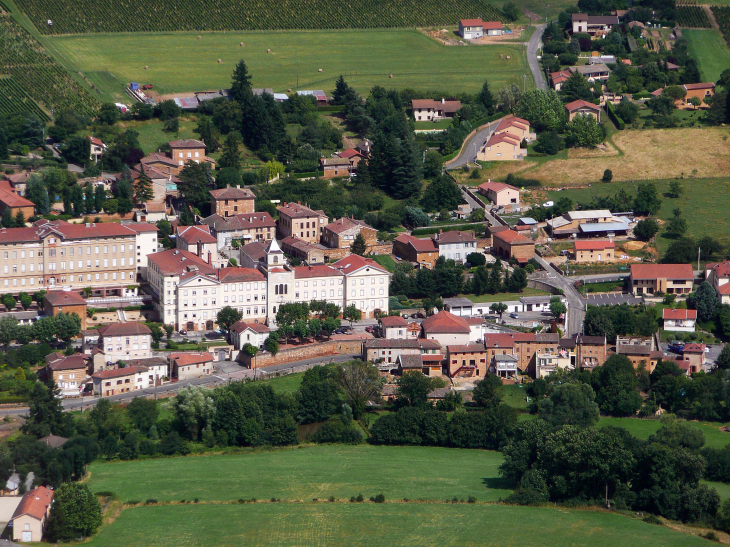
710, 50
346, 524
704, 204
308, 472
179, 62
714, 438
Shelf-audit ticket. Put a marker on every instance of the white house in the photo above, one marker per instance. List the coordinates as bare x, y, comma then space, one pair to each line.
679, 320
455, 245
366, 285
253, 333
394, 327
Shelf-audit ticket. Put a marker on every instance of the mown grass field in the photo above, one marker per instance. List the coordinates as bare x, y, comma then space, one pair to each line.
179, 62
710, 50
308, 472
346, 524
704, 203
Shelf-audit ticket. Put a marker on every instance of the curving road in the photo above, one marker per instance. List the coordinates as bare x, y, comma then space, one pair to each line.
532, 46
469, 150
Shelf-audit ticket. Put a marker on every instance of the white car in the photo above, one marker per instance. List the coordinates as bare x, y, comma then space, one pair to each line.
548, 204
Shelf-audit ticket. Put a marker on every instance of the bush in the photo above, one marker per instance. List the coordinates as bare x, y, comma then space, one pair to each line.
380, 498
150, 501
653, 519
471, 499
617, 121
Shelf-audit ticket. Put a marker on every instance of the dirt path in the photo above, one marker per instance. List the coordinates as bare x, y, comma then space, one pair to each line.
711, 16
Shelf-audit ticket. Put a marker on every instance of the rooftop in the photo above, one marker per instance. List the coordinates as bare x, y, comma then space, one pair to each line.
14, 200
496, 187
124, 329
178, 261
443, 105
424, 245
241, 326
34, 503
513, 238
445, 322
393, 321
593, 245
662, 271
184, 359
64, 298
411, 361
353, 263
345, 223
678, 314
187, 143
297, 210
192, 235
232, 193
118, 372
319, 270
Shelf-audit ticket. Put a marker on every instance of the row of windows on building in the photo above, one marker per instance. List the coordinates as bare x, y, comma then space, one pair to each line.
68, 251
69, 279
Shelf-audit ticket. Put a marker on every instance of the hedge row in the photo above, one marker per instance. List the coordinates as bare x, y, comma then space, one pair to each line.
618, 122
479, 228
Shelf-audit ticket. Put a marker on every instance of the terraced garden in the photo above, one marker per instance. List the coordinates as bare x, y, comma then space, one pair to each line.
84, 16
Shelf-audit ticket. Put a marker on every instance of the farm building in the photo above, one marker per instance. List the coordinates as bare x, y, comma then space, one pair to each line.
471, 29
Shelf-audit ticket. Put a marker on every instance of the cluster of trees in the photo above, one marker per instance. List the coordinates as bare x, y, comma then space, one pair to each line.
709, 307
610, 321
20, 132
64, 326
646, 202
294, 319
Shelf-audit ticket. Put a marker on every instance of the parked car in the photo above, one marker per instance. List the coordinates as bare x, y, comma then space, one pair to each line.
345, 329
370, 329
514, 315
677, 347
548, 204
420, 315
183, 332
405, 316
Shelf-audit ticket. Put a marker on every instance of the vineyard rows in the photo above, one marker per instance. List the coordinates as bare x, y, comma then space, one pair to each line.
692, 17
36, 72
85, 16
13, 99
722, 16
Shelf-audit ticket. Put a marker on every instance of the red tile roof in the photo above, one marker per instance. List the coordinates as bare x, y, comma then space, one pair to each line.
694, 347
467, 348
118, 372
236, 275
353, 263
512, 238
177, 261
471, 22
496, 187
241, 326
679, 314
705, 85
598, 245
34, 503
426, 245
154, 207
192, 235
445, 106
158, 158
187, 143
93, 230
497, 138
95, 141
575, 105
232, 193
491, 25
445, 322
297, 210
499, 340
183, 359
393, 321
10, 199
349, 153
319, 270
512, 121
64, 298
454, 237
721, 269
662, 271
124, 329
241, 221
342, 224
72, 362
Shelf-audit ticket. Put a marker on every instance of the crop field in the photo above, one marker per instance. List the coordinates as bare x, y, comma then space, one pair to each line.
181, 62
308, 472
47, 82
14, 99
692, 16
82, 16
351, 524
722, 16
644, 154
710, 51
704, 204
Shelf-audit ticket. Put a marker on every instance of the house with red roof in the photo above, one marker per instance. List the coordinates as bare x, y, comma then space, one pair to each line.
341, 233
31, 515
97, 148
501, 147
231, 201
394, 327
718, 275
421, 251
594, 251
184, 366
366, 284
455, 245
199, 241
16, 204
353, 155
499, 193
466, 361
681, 320
560, 77
583, 108
694, 353
428, 110
650, 279
471, 29
248, 332
701, 91
446, 328
509, 244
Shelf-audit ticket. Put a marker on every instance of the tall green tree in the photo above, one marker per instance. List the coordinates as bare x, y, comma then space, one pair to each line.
241, 84
99, 197
442, 193
359, 245
486, 99
45, 413
143, 191
75, 513
227, 317
570, 404
194, 183
231, 156
543, 109
37, 192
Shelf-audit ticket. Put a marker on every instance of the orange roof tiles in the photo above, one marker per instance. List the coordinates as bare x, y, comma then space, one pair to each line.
679, 314
575, 105
232, 193
320, 270
34, 503
662, 271
496, 187
353, 263
183, 359
445, 322
512, 238
593, 245
128, 328
177, 261
393, 321
64, 298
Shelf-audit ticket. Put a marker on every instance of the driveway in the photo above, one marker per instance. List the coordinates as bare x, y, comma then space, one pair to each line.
532, 46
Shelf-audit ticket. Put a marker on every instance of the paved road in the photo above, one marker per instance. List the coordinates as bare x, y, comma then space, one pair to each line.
469, 151
576, 303
224, 372
532, 46
475, 205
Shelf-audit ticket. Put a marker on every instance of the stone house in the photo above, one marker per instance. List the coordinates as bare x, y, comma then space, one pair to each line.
466, 361
508, 244
232, 201
455, 245
184, 366
69, 373
247, 227
56, 302
423, 252
335, 167
16, 204
341, 233
394, 327
300, 221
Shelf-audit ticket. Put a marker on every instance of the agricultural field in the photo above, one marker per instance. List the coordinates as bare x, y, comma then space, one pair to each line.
642, 429
351, 524
722, 16
14, 99
710, 50
87, 16
308, 472
638, 155
366, 58
704, 204
692, 17
44, 79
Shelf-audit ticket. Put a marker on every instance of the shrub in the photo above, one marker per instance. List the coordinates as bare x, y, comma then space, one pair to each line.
150, 501
133, 502
332, 499
359, 498
380, 498
471, 499
617, 121
653, 519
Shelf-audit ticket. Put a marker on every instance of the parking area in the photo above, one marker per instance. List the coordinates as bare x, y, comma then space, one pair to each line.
613, 299
710, 355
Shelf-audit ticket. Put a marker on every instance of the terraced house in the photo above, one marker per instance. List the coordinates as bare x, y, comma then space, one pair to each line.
661, 278
297, 220
57, 254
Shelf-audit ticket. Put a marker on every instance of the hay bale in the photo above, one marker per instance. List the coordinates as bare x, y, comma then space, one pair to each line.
241, 44
288, 90
508, 57
220, 61
199, 37
268, 51
501, 55
320, 70
146, 67
390, 76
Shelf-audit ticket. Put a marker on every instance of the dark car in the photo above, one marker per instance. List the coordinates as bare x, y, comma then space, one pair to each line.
345, 329
183, 332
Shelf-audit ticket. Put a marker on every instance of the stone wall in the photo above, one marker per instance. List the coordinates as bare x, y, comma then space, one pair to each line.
300, 353
381, 249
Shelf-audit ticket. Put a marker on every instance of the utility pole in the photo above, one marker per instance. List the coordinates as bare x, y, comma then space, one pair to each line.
698, 257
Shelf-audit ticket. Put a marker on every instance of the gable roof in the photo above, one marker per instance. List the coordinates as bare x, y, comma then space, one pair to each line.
471, 22
445, 322
297, 210
118, 372
232, 193
575, 105
498, 138
72, 362
184, 359
193, 235
393, 321
345, 223
662, 271
496, 187
317, 270
349, 153
187, 143
512, 238
235, 275
352, 263
455, 236
241, 326
499, 340
705, 85
11, 199
678, 314
443, 105
128, 328
410, 361
34, 503
425, 245
240, 221
178, 261
512, 121
597, 245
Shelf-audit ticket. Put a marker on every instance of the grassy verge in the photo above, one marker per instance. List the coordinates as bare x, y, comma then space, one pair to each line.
710, 51
386, 261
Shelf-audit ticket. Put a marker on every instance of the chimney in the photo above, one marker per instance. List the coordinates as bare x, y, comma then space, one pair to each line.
176, 252
210, 257
441, 231
238, 186
88, 225
443, 101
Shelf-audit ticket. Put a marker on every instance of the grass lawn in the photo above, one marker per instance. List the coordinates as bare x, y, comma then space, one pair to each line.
285, 384
504, 296
308, 472
386, 261
704, 204
352, 524
514, 395
366, 58
642, 429
722, 488
441, 124
710, 50
639, 155
608, 286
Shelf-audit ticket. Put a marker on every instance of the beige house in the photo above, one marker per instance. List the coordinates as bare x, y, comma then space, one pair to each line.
253, 333
335, 167
300, 221
428, 110
30, 517
665, 278
466, 361
550, 361
184, 366
718, 275
232, 201
517, 127
247, 227
113, 381
446, 329
311, 253
594, 251
500, 194
394, 327
501, 147
341, 233
583, 108
123, 341
366, 285
186, 150
69, 373
97, 148
595, 25
199, 241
